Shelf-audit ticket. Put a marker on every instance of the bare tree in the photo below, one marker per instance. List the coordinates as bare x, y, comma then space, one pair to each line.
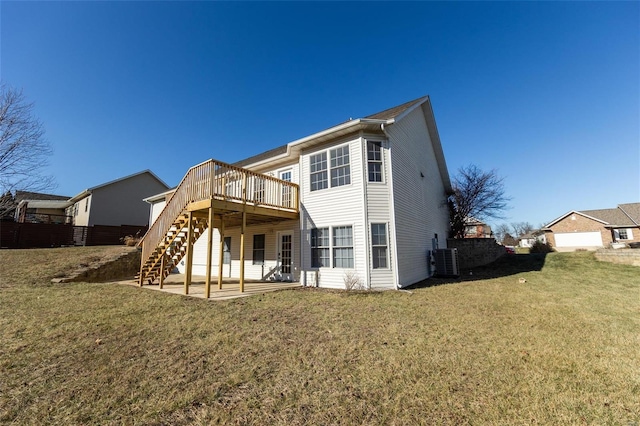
476, 194
521, 228
501, 232
24, 152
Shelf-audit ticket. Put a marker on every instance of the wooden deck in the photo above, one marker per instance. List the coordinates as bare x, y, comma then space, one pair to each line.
212, 195
174, 284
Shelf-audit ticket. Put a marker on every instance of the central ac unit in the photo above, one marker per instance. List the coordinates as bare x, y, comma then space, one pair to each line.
447, 264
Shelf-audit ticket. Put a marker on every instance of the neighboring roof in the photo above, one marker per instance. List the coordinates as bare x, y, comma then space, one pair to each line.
624, 215
610, 216
88, 191
470, 220
27, 195
46, 204
373, 121
632, 210
530, 235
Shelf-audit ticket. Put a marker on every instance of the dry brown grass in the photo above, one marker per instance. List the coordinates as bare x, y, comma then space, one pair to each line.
563, 348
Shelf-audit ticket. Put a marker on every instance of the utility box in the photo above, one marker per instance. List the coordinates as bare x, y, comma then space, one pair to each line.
447, 264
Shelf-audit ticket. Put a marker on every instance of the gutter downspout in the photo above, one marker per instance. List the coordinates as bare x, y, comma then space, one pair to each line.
392, 214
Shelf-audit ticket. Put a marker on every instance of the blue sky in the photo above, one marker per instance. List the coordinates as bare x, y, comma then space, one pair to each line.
547, 93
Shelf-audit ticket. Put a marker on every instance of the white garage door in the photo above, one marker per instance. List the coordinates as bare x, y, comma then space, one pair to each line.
579, 239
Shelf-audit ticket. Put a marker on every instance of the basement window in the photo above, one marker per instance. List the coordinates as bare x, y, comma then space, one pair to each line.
258, 249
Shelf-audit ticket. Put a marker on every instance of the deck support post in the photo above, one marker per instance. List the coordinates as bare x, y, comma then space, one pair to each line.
163, 264
207, 284
244, 225
221, 254
141, 267
189, 263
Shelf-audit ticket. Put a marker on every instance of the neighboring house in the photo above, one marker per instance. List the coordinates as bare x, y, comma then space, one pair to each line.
475, 228
43, 211
115, 203
359, 203
527, 240
592, 229
36, 207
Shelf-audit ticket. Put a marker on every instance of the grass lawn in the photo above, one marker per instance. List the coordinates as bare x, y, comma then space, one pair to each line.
562, 348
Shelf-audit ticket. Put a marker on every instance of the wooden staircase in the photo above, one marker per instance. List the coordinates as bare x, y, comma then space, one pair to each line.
171, 249
212, 184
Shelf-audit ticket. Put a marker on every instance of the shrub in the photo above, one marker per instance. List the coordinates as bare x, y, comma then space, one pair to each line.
352, 281
541, 247
130, 240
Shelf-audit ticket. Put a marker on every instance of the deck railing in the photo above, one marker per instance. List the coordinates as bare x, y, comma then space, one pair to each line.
216, 180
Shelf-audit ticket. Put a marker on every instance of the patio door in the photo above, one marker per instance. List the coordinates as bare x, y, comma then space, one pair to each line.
285, 256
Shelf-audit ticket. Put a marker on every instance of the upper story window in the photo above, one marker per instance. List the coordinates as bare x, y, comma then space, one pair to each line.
318, 168
339, 169
374, 161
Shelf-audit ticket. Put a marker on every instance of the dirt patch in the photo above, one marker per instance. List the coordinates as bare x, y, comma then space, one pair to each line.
114, 266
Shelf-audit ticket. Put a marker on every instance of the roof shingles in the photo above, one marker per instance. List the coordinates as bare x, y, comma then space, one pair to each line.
623, 215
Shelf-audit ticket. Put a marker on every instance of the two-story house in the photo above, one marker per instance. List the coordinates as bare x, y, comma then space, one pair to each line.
361, 203
115, 203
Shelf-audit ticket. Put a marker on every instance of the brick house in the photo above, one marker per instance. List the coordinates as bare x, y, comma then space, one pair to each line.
592, 229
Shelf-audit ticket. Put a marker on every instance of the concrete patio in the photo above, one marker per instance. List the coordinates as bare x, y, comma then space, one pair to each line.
174, 283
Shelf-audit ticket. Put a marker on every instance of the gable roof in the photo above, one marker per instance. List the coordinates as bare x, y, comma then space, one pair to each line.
383, 117
625, 215
88, 191
395, 112
373, 122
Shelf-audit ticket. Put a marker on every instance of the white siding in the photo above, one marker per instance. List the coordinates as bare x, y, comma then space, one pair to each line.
419, 197
156, 209
378, 200
339, 206
268, 271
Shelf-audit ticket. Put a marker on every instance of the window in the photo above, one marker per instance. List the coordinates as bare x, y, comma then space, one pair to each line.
340, 170
258, 249
342, 247
226, 251
374, 161
320, 247
379, 245
86, 204
318, 171
624, 234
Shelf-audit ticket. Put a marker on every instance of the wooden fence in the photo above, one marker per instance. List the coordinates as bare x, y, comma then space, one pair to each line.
32, 235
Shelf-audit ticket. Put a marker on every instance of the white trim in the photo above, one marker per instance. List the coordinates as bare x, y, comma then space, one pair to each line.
365, 213
393, 250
